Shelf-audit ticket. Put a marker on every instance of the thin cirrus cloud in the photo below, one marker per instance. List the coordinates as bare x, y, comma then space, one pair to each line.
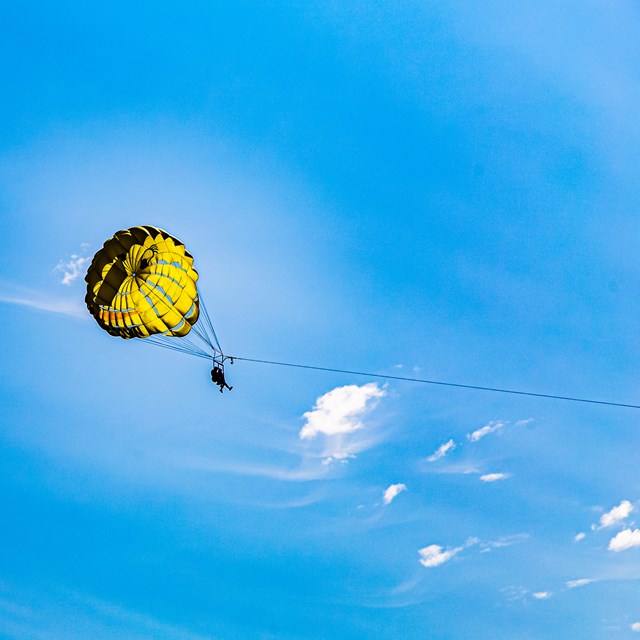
626, 539
39, 301
59, 614
503, 541
616, 515
542, 595
442, 451
392, 491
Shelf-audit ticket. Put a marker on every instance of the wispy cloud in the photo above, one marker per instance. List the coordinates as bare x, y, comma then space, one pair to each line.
304, 471
40, 301
334, 433
635, 626
581, 582
494, 477
494, 426
616, 515
541, 595
392, 491
442, 451
626, 539
59, 614
74, 266
514, 593
503, 541
341, 457
491, 427
579, 536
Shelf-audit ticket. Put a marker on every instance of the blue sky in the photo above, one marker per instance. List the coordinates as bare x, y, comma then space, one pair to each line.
444, 190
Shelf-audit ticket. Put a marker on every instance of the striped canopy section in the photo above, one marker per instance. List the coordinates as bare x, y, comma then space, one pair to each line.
142, 283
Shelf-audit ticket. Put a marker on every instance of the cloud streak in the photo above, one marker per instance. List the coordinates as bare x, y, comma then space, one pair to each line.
581, 582
491, 427
43, 302
494, 477
504, 541
65, 614
442, 451
392, 491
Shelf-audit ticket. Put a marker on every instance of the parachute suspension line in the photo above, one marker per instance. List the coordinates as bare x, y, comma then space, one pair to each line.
443, 384
196, 330
201, 342
171, 348
194, 344
181, 345
207, 326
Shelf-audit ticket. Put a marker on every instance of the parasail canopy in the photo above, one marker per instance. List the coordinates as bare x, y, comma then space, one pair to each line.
142, 284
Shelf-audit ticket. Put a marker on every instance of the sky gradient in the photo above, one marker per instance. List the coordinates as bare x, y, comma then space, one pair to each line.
446, 190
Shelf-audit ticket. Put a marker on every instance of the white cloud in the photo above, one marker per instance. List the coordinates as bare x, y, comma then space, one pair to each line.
581, 582
579, 536
493, 477
442, 451
492, 427
616, 515
542, 595
392, 491
75, 266
626, 539
340, 411
635, 626
434, 555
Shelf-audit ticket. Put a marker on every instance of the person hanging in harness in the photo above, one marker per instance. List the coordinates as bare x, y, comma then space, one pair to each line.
217, 376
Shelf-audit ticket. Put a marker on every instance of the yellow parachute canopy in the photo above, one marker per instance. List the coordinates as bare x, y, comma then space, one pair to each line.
142, 283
